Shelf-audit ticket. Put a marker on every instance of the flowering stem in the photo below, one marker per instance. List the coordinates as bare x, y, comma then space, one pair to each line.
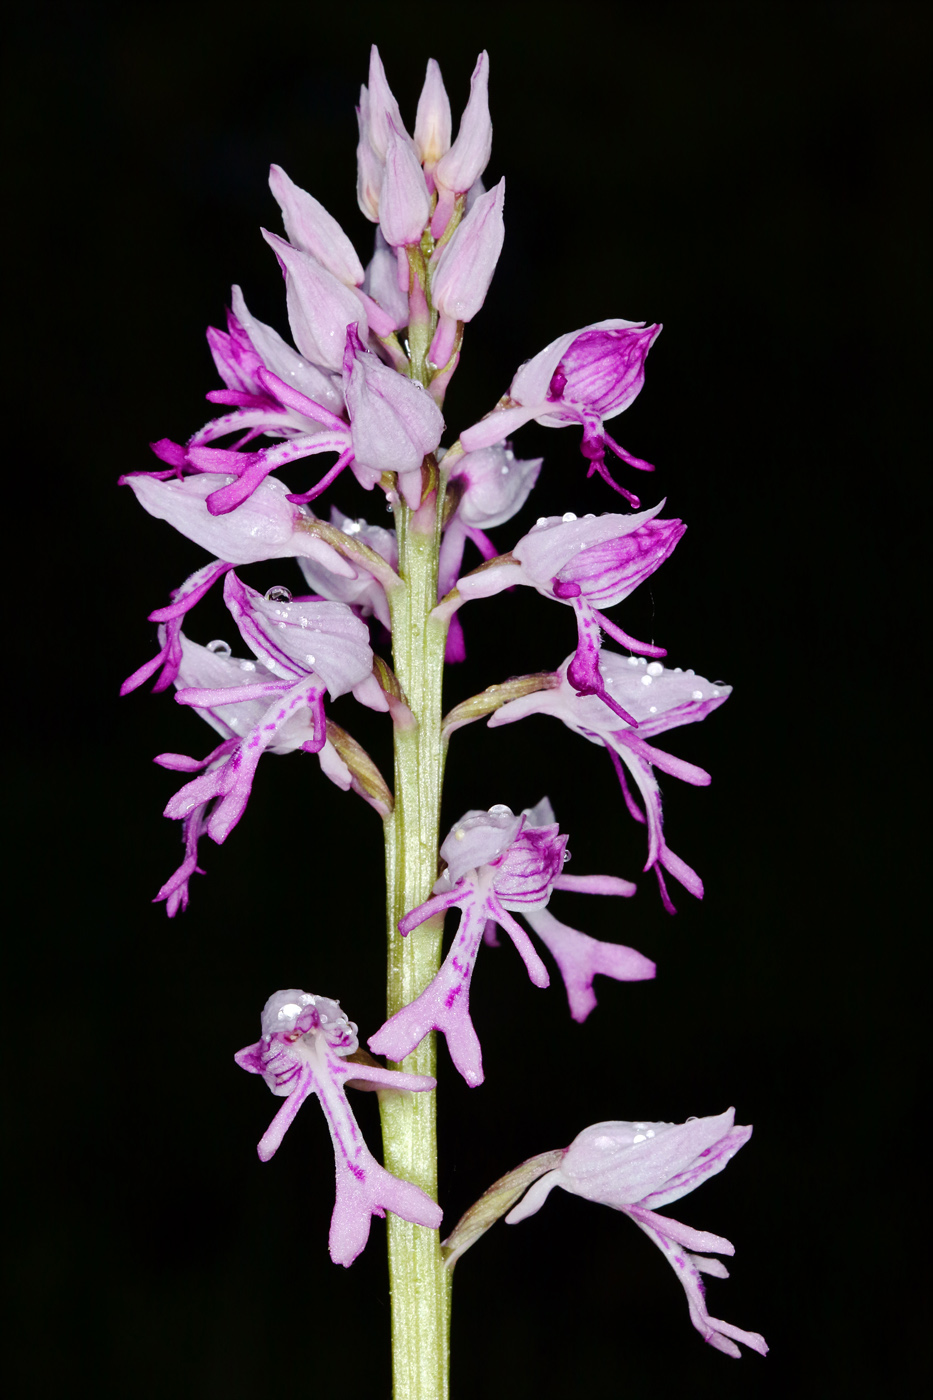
419, 1281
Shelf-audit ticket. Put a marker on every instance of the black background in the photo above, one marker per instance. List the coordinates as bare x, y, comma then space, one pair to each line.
748, 173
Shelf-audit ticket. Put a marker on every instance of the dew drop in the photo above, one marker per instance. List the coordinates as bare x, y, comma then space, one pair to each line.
633, 661
278, 594
655, 669
352, 527
696, 695
500, 810
567, 517
503, 471
247, 665
219, 647
541, 520
309, 660
652, 709
647, 680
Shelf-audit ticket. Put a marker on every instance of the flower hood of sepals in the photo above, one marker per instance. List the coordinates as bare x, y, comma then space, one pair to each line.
363, 593
659, 698
303, 637
433, 121
395, 422
585, 377
304, 1047
463, 271
497, 862
311, 229
249, 346
320, 308
636, 1167
404, 204
213, 668
463, 163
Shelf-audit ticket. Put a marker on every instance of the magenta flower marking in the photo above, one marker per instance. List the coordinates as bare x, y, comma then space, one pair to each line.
304, 1048
581, 562
658, 698
636, 1167
583, 377
498, 862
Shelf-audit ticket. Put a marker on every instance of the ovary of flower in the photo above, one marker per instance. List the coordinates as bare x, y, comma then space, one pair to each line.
599, 559
303, 1050
497, 862
213, 669
585, 377
637, 1167
659, 698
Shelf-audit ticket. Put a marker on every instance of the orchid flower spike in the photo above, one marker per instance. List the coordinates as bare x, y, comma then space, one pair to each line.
497, 862
637, 1167
599, 559
584, 377
305, 1048
659, 698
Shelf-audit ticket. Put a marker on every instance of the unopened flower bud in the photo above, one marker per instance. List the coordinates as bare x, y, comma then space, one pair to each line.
404, 204
432, 122
313, 230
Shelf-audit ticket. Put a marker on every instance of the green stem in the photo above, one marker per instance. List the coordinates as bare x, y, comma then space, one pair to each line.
419, 1280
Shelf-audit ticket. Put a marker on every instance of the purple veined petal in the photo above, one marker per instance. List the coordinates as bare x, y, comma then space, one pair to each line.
721, 1335
580, 958
312, 229
586, 551
271, 1140
433, 119
320, 308
294, 638
463, 164
438, 904
676, 767
584, 673
404, 205
524, 875
444, 1005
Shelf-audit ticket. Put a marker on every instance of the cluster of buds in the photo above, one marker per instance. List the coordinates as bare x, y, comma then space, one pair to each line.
374, 351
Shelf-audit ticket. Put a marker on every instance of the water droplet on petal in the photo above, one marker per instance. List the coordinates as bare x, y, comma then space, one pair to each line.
647, 680
541, 520
655, 669
568, 516
310, 660
652, 709
696, 695
278, 594
219, 647
247, 665
633, 661
500, 810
